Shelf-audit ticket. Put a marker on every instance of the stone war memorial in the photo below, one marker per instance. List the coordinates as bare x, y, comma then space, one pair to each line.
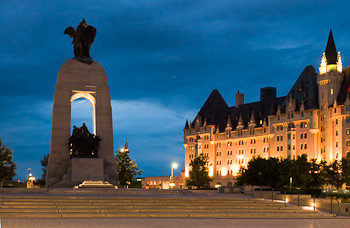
79, 155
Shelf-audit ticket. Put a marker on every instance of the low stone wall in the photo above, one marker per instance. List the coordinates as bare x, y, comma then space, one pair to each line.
94, 191
324, 204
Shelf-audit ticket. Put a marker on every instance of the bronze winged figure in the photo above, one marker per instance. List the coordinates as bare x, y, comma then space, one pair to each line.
83, 37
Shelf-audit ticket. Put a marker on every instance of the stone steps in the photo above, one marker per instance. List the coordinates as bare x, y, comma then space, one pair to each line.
162, 215
150, 207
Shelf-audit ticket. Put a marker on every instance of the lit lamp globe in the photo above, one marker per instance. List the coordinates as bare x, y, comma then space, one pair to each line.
174, 165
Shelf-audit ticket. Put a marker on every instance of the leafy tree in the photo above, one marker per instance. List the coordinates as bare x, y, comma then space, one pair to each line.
199, 174
7, 165
345, 166
298, 169
318, 174
334, 176
260, 171
44, 162
127, 168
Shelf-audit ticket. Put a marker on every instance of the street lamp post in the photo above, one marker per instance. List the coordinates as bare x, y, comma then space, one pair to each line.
172, 182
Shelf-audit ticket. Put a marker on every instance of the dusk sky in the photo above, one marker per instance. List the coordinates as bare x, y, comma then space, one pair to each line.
162, 57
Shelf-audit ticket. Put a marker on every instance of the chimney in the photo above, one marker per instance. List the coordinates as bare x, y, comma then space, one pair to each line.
239, 99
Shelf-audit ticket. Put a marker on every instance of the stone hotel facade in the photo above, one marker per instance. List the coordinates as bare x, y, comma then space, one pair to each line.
313, 119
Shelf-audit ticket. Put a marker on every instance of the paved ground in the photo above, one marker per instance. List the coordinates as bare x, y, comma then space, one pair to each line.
173, 223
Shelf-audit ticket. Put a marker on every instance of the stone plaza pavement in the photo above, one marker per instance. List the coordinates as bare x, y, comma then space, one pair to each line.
173, 223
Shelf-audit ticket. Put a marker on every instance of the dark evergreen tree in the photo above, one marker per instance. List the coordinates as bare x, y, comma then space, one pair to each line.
127, 168
199, 173
7, 165
345, 166
318, 174
261, 172
334, 174
44, 162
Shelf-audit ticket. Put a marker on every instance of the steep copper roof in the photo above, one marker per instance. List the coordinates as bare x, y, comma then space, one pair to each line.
216, 111
344, 88
331, 51
304, 90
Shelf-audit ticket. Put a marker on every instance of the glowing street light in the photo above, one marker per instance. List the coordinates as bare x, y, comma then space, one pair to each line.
172, 183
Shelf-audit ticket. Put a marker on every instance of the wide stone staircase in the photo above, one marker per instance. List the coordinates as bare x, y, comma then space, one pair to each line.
152, 207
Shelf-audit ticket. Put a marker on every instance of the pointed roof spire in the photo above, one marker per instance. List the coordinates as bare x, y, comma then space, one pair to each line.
331, 51
229, 123
240, 121
252, 118
186, 125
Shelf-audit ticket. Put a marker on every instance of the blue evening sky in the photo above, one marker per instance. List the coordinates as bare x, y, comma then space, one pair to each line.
163, 58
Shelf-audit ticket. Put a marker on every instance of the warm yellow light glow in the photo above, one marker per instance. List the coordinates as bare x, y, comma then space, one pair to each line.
31, 178
240, 156
187, 173
223, 172
308, 208
323, 66
211, 171
174, 165
217, 185
235, 169
88, 96
172, 184
339, 63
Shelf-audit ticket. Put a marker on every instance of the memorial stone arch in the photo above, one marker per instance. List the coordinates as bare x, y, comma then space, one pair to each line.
79, 79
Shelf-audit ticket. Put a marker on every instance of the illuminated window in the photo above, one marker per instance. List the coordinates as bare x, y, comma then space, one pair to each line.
348, 131
347, 142
331, 91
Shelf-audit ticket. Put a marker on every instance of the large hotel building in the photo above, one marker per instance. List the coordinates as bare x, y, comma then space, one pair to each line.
313, 119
